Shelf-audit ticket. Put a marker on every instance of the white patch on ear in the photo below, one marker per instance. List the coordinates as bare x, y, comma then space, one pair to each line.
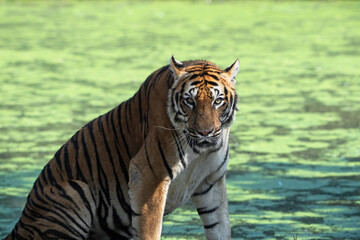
177, 68
232, 70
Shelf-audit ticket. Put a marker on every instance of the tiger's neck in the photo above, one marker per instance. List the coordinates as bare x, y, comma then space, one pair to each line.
146, 110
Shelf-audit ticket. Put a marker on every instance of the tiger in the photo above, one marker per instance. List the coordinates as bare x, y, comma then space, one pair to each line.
121, 173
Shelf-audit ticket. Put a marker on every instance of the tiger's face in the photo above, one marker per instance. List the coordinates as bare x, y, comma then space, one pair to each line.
202, 100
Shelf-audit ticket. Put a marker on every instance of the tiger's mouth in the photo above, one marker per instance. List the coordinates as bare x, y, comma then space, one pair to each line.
201, 141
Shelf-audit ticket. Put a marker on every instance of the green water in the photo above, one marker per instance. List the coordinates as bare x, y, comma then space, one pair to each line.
295, 145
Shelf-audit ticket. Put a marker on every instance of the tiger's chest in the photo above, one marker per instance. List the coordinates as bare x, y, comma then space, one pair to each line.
185, 184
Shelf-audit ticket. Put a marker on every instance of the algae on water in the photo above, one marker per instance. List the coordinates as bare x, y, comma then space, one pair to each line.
295, 147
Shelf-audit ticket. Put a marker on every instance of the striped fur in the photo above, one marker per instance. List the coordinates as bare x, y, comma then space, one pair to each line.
120, 173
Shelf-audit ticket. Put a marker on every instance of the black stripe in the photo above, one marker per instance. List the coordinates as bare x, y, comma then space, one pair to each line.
211, 225
235, 102
58, 234
231, 101
182, 88
211, 83
130, 113
80, 191
125, 207
193, 147
172, 99
54, 220
202, 211
57, 157
27, 216
147, 110
212, 70
79, 172
71, 219
195, 68
229, 112
177, 98
99, 211
121, 160
102, 221
154, 79
17, 236
107, 147
81, 219
54, 201
181, 107
119, 192
38, 182
165, 162
62, 193
67, 162
124, 143
126, 115
43, 177
28, 203
123, 203
118, 224
191, 143
38, 197
101, 172
134, 214
218, 148
169, 80
86, 154
179, 148
147, 158
213, 76
30, 230
210, 186
65, 226
148, 81
50, 175
140, 110
225, 158
26, 227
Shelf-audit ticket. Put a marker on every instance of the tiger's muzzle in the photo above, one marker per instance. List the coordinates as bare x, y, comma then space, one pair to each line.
203, 138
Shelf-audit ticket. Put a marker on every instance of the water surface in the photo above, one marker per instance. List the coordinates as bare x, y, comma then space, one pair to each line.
295, 145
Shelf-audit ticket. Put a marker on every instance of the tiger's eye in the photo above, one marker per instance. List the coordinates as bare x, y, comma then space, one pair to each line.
218, 101
189, 101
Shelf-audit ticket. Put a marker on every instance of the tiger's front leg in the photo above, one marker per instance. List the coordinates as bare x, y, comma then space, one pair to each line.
211, 204
148, 190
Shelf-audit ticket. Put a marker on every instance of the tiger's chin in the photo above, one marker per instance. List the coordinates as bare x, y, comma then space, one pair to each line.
205, 143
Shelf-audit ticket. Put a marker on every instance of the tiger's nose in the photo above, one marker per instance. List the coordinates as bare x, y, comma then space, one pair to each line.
204, 132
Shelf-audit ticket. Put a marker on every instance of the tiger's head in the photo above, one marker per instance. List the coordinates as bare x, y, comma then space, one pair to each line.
202, 100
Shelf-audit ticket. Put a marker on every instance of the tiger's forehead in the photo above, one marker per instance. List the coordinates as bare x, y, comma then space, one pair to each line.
201, 89
204, 68
203, 79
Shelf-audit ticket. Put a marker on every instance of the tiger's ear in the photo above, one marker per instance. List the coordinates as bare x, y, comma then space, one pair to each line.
177, 68
231, 71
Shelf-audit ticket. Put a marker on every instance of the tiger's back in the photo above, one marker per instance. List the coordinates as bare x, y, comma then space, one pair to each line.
119, 174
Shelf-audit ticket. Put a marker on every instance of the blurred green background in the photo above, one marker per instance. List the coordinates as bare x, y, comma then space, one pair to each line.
295, 145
